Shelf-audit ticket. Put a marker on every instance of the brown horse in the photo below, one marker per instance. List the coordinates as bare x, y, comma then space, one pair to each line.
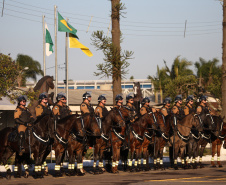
43, 85
180, 138
66, 129
138, 140
117, 135
36, 144
77, 145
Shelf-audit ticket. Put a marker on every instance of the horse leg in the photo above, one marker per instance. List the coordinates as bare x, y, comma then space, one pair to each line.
70, 161
176, 152
145, 159
17, 167
218, 153
117, 158
47, 152
182, 149
6, 155
95, 158
58, 153
171, 156
101, 164
161, 157
114, 157
200, 155
80, 171
214, 145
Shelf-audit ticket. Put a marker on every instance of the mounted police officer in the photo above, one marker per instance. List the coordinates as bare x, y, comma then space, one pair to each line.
85, 106
189, 108
101, 111
165, 110
146, 107
203, 107
61, 109
23, 118
177, 109
42, 108
118, 101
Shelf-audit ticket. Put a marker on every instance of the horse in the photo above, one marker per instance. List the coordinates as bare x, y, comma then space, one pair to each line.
182, 129
43, 85
208, 127
113, 118
37, 138
117, 135
161, 139
137, 96
77, 145
65, 129
218, 135
138, 142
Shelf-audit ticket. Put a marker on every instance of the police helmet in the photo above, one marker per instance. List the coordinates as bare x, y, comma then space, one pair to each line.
145, 100
129, 96
166, 100
118, 97
42, 96
202, 98
101, 97
60, 96
21, 98
178, 98
86, 95
189, 98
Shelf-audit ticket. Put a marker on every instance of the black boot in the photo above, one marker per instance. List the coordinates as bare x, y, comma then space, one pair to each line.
21, 143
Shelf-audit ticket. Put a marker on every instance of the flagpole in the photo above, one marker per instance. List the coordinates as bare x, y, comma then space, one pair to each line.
55, 23
66, 63
44, 53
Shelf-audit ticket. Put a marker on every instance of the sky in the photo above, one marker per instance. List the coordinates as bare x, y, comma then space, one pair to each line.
152, 29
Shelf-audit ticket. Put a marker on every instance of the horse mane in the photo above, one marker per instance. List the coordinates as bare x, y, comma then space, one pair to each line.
40, 82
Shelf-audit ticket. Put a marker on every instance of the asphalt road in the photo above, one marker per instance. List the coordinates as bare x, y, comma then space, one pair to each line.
207, 175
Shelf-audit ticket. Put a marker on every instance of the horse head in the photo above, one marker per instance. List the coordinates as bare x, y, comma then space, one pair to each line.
118, 118
91, 124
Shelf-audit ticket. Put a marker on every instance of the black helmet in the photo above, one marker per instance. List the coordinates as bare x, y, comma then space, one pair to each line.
178, 98
42, 96
129, 96
86, 95
189, 98
101, 97
118, 97
202, 98
60, 96
166, 100
21, 98
145, 100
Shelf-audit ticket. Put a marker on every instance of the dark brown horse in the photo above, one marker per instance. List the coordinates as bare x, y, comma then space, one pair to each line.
137, 96
39, 137
138, 141
43, 85
117, 135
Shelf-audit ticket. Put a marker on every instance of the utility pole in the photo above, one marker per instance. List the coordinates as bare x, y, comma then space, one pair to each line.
224, 63
44, 49
55, 24
66, 63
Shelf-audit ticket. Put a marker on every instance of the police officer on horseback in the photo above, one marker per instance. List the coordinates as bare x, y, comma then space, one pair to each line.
203, 107
189, 108
42, 108
23, 118
101, 111
177, 109
118, 101
146, 108
165, 110
61, 110
86, 106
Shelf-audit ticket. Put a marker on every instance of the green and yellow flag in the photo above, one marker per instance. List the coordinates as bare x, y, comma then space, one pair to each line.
74, 43
64, 26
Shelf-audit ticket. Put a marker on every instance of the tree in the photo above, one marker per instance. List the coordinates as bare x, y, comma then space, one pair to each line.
115, 60
206, 70
33, 68
9, 72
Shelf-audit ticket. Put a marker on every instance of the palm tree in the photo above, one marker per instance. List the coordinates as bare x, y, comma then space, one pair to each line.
30, 68
206, 70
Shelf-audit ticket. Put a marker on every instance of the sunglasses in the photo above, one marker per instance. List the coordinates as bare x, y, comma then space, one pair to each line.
23, 101
63, 99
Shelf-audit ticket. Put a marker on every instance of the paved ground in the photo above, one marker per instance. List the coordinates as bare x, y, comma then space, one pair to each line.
203, 176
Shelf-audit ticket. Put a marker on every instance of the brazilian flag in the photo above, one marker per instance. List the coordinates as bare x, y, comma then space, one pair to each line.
64, 26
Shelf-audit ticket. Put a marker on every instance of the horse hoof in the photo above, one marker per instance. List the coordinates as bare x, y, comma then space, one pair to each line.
8, 177
213, 166
220, 166
175, 167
